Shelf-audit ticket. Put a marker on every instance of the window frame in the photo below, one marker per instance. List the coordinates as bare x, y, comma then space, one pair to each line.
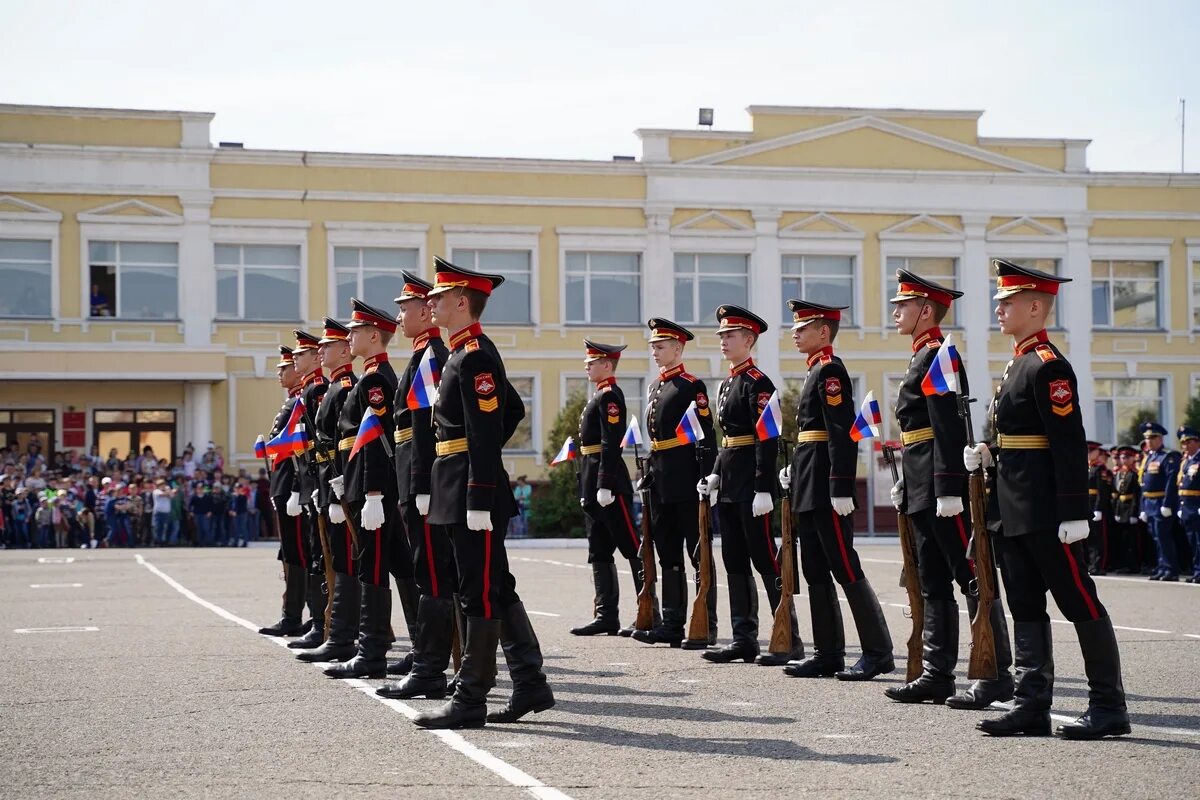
892, 249
695, 252
1134, 249
118, 240
1110, 324
262, 231
601, 240
1166, 406
241, 276
523, 238
38, 232
1009, 253
853, 251
401, 235
1193, 282
97, 226
535, 417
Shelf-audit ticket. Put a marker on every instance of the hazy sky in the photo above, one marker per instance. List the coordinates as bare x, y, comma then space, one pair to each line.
573, 80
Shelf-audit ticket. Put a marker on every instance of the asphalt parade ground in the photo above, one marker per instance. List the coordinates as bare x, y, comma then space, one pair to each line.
138, 673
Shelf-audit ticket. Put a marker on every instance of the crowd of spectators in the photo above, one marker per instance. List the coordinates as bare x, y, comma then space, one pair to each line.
71, 499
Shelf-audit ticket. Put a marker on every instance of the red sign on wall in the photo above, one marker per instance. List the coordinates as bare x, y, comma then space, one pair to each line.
73, 438
74, 420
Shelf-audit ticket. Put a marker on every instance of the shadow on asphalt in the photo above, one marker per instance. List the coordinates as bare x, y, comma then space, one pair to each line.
673, 713
610, 689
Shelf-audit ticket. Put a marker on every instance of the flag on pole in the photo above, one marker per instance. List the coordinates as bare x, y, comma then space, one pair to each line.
770, 422
567, 453
423, 392
688, 430
866, 424
633, 434
287, 444
369, 430
942, 377
296, 417
260, 447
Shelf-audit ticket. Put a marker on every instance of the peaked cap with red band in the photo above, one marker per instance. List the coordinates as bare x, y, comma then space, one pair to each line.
806, 311
911, 286
286, 359
734, 317
596, 351
334, 331
415, 288
1012, 278
304, 341
447, 276
662, 330
363, 314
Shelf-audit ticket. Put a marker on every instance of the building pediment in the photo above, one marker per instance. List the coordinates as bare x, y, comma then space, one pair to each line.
136, 211
14, 208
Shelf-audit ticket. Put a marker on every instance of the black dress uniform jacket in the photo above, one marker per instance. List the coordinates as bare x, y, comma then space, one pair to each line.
602, 424
1038, 396
340, 383
312, 391
1126, 496
933, 468
476, 403
677, 470
1100, 489
746, 469
415, 455
283, 472
824, 469
371, 469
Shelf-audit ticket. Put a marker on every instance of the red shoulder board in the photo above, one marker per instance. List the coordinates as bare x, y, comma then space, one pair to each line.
605, 388
370, 369
687, 376
471, 346
826, 360
933, 344
347, 383
754, 373
320, 379
1045, 352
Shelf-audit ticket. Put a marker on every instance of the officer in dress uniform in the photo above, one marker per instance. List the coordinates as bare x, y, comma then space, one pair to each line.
1041, 486
1100, 492
1189, 493
367, 485
293, 549
1126, 502
674, 469
476, 413
744, 478
932, 492
430, 553
605, 491
821, 479
334, 351
1159, 472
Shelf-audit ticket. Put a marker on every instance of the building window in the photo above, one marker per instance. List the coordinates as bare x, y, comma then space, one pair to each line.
258, 281
942, 271
130, 431
1196, 295
1119, 401
134, 280
634, 390
822, 279
21, 427
1125, 294
511, 302
522, 438
25, 276
371, 273
1050, 266
604, 288
704, 281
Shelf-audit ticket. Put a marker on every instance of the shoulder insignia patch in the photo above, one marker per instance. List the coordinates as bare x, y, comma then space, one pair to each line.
375, 395
370, 369
605, 388
1061, 396
825, 360
933, 344
754, 373
1045, 352
687, 376
485, 384
347, 383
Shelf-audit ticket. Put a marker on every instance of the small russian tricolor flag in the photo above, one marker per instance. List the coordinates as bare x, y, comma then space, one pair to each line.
770, 422
287, 444
633, 434
567, 453
296, 417
866, 424
260, 447
423, 392
369, 430
688, 430
942, 377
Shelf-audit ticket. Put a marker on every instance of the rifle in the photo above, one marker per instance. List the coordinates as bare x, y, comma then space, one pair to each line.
781, 628
982, 664
698, 627
909, 578
327, 558
645, 598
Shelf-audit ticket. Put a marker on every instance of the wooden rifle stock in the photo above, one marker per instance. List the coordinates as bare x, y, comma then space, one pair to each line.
698, 626
327, 558
645, 611
982, 663
910, 579
781, 627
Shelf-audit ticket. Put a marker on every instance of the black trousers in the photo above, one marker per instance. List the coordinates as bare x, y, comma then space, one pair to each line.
432, 554
1098, 542
941, 554
747, 540
375, 547
341, 546
293, 539
610, 528
676, 525
312, 532
1038, 562
400, 554
486, 586
827, 547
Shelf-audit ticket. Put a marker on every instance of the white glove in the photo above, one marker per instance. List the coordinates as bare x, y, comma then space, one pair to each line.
1097, 516
582, 503
371, 517
949, 506
785, 478
336, 515
1166, 512
338, 485
422, 501
762, 504
1072, 531
976, 457
293, 505
708, 485
604, 497
897, 493
842, 505
1144, 517
314, 497
479, 520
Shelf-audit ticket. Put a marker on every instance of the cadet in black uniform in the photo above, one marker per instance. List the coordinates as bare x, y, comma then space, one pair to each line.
821, 478
674, 470
932, 492
1100, 493
293, 549
1189, 493
334, 350
476, 413
1126, 502
430, 554
1041, 487
744, 479
368, 487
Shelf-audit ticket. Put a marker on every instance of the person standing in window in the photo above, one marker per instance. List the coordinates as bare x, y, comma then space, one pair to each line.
99, 302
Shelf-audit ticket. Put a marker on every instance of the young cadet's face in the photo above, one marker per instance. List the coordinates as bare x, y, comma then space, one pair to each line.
598, 369
334, 354
666, 352
443, 306
808, 338
360, 340
1017, 313
906, 314
306, 361
414, 317
736, 345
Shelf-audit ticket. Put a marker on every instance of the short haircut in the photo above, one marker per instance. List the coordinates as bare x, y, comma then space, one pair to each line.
939, 311
833, 326
1046, 299
476, 301
385, 337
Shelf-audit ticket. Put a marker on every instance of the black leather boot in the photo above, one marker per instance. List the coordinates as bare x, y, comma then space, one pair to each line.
711, 638
939, 655
343, 624
476, 677
374, 637
829, 638
410, 599
531, 693
674, 611
743, 617
316, 600
1106, 714
873, 634
432, 654
294, 580
982, 693
635, 567
606, 621
1034, 661
796, 652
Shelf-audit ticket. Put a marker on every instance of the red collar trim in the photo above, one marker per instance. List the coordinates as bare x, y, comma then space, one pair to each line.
313, 377
670, 373
603, 382
374, 361
742, 367
294, 392
824, 352
338, 372
933, 333
1031, 342
424, 337
472, 331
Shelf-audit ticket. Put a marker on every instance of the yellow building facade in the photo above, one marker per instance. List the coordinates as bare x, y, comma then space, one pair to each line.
147, 277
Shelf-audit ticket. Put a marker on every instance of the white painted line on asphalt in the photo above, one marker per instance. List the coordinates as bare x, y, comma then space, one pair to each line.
57, 560
68, 629
1192, 635
55, 585
617, 664
452, 739
542, 613
687, 680
1139, 630
842, 736
880, 561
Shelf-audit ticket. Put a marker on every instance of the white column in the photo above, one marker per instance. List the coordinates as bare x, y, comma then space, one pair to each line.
1075, 302
765, 285
974, 312
658, 284
197, 412
197, 276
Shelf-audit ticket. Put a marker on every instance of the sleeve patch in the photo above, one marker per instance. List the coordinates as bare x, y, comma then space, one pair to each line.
833, 391
488, 406
613, 410
485, 384
375, 395
702, 400
763, 399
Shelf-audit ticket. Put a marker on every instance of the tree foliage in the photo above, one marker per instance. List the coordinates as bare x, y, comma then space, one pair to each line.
1133, 434
1191, 416
554, 509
